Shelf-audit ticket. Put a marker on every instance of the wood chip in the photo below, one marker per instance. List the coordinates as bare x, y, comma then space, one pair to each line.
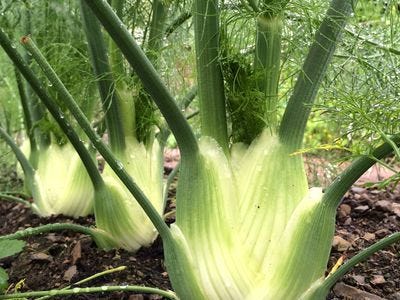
384, 205
352, 293
76, 252
359, 279
71, 272
42, 256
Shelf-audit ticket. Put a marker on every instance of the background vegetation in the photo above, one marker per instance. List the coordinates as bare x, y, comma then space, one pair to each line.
358, 100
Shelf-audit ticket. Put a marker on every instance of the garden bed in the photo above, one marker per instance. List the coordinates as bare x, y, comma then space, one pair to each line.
56, 260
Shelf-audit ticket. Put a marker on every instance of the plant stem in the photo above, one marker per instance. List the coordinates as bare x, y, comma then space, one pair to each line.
209, 74
97, 275
105, 81
50, 228
298, 109
352, 173
91, 290
55, 111
267, 64
104, 150
36, 109
148, 75
182, 18
15, 199
360, 257
373, 43
25, 103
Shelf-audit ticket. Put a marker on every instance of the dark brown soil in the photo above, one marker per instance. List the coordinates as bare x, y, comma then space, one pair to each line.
60, 259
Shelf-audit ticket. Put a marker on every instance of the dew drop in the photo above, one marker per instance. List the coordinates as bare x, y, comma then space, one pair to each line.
76, 290
120, 165
104, 288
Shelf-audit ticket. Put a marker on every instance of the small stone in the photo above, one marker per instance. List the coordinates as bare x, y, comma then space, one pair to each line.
344, 210
382, 233
340, 244
396, 209
361, 208
378, 279
359, 279
358, 190
395, 296
384, 205
369, 236
348, 221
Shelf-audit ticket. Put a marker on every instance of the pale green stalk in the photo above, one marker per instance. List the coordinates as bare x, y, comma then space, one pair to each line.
148, 75
293, 124
209, 74
15, 199
267, 65
92, 290
105, 81
104, 194
87, 160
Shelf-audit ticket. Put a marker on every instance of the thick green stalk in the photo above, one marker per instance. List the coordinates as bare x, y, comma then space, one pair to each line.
148, 75
37, 112
360, 257
126, 102
294, 120
106, 85
116, 57
144, 107
25, 103
92, 290
53, 109
15, 199
100, 146
267, 65
320, 289
352, 173
156, 34
209, 74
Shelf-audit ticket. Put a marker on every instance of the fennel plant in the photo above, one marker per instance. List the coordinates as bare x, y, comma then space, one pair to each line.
247, 224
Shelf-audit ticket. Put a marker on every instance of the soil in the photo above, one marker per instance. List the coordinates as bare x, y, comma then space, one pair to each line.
57, 260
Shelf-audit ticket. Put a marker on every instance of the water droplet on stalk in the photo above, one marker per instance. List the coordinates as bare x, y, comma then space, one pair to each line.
120, 165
